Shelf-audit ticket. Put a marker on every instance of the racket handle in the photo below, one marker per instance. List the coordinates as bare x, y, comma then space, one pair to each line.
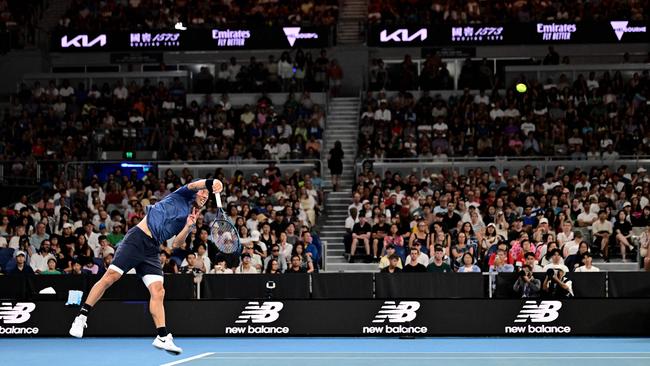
217, 196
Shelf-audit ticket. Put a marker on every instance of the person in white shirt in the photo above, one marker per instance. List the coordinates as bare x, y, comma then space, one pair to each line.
601, 230
497, 111
586, 217
423, 259
120, 92
481, 98
352, 219
383, 113
566, 234
587, 267
92, 238
246, 265
556, 262
571, 246
221, 267
532, 262
38, 261
527, 127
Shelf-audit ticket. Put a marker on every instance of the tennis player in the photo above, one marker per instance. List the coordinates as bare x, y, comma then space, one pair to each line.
173, 215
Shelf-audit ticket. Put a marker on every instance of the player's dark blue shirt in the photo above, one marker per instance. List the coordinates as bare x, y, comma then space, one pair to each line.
167, 217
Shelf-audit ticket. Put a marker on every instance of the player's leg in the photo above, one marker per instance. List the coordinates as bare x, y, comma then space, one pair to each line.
152, 277
127, 256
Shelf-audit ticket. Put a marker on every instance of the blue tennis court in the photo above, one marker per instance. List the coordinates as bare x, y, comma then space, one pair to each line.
328, 351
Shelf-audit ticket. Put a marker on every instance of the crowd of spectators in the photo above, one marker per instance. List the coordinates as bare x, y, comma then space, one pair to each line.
500, 221
597, 116
67, 123
18, 21
77, 225
88, 15
502, 11
296, 72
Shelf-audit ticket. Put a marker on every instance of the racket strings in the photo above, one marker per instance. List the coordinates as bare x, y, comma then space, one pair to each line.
225, 235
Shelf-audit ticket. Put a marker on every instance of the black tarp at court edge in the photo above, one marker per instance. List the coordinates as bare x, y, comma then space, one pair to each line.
429, 285
342, 286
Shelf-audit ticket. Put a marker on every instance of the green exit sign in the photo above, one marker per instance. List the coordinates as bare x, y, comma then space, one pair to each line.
129, 155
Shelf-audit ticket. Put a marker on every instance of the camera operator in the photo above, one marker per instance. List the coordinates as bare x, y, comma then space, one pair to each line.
527, 285
556, 286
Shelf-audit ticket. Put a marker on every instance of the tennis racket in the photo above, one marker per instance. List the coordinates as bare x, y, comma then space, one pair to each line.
223, 232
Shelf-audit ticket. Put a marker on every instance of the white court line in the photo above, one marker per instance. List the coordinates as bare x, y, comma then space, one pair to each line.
188, 359
432, 353
423, 358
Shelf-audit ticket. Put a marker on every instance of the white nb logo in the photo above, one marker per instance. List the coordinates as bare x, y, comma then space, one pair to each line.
401, 312
267, 312
16, 314
545, 312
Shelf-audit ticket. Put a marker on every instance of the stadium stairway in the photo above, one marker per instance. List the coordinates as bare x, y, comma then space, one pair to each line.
342, 125
352, 15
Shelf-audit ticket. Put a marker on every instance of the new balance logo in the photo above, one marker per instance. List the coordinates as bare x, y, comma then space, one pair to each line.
17, 314
545, 312
254, 312
397, 312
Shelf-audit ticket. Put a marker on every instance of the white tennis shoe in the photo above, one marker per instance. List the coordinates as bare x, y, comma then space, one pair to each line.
166, 343
78, 326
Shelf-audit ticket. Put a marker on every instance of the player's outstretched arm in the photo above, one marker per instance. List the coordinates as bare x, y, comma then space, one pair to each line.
217, 186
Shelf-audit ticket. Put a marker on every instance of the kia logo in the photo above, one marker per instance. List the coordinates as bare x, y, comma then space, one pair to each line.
83, 41
402, 35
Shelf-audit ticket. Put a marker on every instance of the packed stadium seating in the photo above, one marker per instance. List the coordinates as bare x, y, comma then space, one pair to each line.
81, 222
474, 11
592, 117
94, 15
69, 122
440, 208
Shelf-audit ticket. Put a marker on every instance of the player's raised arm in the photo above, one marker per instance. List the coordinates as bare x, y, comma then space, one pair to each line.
212, 185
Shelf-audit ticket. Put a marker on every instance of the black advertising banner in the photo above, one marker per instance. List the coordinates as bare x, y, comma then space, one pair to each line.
622, 31
194, 39
358, 318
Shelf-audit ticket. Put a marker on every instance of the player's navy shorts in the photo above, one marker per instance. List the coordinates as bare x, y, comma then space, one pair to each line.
138, 251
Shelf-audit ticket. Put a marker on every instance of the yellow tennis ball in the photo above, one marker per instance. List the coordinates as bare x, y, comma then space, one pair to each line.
521, 87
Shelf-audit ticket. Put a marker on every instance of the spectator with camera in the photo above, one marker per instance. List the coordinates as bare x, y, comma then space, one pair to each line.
556, 285
527, 285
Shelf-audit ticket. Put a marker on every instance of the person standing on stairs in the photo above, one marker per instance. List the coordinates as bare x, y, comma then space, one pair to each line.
335, 164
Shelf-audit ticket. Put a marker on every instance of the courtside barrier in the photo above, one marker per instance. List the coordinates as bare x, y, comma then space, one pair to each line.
326, 286
129, 287
585, 285
357, 318
429, 285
